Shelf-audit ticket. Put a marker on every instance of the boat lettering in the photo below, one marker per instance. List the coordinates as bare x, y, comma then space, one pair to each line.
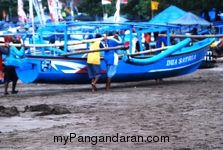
187, 59
172, 62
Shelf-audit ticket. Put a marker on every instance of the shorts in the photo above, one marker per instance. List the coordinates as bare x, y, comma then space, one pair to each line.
93, 70
111, 70
10, 74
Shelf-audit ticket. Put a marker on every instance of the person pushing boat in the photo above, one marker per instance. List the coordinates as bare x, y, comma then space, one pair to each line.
111, 58
93, 62
9, 71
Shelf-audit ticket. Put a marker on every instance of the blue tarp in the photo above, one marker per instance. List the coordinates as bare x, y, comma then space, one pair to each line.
111, 19
190, 19
169, 14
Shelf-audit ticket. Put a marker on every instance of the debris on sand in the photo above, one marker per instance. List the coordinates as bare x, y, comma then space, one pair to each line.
9, 112
47, 110
57, 110
40, 107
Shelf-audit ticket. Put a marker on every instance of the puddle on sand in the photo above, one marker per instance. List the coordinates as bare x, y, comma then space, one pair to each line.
25, 122
19, 123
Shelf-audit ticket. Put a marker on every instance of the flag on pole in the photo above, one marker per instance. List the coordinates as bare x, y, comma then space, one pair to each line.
105, 2
41, 11
38, 11
4, 15
7, 17
154, 5
117, 13
53, 7
124, 1
21, 14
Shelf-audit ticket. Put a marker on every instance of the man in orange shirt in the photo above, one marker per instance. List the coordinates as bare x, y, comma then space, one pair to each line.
147, 40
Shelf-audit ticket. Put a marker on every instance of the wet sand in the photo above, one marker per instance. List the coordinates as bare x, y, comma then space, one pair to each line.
186, 109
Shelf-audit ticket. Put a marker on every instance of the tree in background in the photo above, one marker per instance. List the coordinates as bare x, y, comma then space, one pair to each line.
133, 7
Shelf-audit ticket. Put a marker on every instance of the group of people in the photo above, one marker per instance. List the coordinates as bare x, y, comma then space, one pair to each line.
110, 58
9, 71
93, 60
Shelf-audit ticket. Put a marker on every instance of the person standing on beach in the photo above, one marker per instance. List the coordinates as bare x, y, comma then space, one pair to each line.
4, 49
93, 62
9, 71
111, 58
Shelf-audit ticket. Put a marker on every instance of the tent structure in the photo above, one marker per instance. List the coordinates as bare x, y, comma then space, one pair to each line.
79, 17
111, 19
37, 21
169, 14
190, 19
82, 17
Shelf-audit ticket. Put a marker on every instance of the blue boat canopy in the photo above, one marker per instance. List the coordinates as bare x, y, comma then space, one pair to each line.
169, 14
190, 19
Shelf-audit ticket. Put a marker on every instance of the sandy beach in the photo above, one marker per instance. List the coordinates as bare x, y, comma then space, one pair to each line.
180, 113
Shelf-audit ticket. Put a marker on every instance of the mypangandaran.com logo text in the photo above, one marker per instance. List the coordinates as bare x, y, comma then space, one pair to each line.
113, 138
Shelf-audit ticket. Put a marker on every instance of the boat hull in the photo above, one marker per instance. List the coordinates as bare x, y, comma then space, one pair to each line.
74, 70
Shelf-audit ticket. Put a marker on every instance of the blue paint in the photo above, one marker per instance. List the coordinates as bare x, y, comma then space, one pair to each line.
175, 61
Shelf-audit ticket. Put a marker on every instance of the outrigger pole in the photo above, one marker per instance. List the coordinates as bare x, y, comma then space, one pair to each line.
118, 48
58, 44
96, 50
32, 17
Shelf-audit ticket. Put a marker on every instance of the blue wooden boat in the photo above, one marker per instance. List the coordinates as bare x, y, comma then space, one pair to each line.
61, 66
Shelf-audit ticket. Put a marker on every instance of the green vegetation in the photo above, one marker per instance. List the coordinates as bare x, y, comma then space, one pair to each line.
134, 7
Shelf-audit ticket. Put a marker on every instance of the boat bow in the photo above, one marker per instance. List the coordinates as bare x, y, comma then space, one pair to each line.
146, 61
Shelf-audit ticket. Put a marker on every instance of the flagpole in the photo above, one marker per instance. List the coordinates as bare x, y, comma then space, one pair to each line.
105, 16
117, 13
105, 2
72, 12
103, 11
32, 17
151, 9
154, 6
